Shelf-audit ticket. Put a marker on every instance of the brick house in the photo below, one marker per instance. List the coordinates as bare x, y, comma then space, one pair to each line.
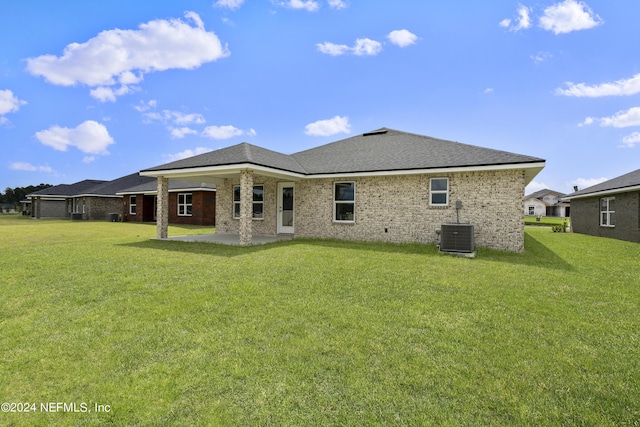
189, 202
58, 201
609, 209
90, 199
99, 202
382, 185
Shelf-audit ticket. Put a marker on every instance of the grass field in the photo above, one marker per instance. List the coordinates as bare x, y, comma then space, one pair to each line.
545, 220
313, 332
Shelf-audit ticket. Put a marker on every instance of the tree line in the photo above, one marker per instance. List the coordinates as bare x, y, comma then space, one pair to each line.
15, 195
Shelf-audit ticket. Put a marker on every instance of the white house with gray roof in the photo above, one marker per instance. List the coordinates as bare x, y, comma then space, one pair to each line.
384, 185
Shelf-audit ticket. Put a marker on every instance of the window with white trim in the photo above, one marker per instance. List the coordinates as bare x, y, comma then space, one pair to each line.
344, 201
258, 202
607, 212
132, 205
532, 210
439, 192
185, 204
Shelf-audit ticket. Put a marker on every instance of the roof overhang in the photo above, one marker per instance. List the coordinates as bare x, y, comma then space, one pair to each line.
216, 174
173, 190
604, 192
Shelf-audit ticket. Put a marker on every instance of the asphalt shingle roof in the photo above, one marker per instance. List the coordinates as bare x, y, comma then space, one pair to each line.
110, 188
69, 189
381, 150
236, 154
542, 193
631, 179
391, 150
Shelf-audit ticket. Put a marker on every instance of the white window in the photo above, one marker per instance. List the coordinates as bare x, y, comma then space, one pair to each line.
532, 210
184, 204
344, 201
607, 212
132, 205
258, 202
439, 192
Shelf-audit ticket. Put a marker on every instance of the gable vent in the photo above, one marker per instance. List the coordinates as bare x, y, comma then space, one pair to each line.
456, 238
376, 132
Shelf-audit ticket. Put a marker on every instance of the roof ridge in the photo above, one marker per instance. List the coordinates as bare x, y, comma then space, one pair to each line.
246, 147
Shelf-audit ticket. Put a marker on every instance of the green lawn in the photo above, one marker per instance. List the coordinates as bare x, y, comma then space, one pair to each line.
545, 220
314, 332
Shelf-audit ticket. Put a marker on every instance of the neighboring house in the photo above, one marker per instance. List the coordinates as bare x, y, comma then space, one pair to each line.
57, 201
189, 202
383, 185
609, 209
7, 208
102, 200
546, 203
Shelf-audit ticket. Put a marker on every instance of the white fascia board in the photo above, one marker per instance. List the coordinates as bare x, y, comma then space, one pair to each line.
221, 170
433, 171
236, 168
187, 190
605, 192
98, 195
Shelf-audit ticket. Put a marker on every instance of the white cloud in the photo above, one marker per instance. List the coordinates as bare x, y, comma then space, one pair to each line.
145, 106
333, 49
488, 90
535, 186
541, 57
231, 4
367, 47
622, 119
568, 16
308, 5
9, 103
186, 153
179, 133
176, 117
28, 167
362, 47
225, 132
337, 4
329, 127
89, 137
88, 159
402, 38
624, 87
122, 57
583, 183
630, 141
523, 21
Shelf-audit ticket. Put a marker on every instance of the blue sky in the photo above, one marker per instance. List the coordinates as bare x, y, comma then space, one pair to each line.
102, 89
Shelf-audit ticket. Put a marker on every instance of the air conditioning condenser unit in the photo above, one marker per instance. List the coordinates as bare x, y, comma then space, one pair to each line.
457, 238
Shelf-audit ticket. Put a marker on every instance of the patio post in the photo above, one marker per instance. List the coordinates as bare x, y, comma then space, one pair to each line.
162, 211
246, 206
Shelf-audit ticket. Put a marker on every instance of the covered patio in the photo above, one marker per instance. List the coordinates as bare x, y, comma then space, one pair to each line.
227, 239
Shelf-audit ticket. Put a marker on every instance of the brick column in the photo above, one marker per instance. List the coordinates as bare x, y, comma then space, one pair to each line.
246, 206
162, 214
36, 208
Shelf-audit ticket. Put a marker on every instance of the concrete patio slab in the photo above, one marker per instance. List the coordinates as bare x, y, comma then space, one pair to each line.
228, 239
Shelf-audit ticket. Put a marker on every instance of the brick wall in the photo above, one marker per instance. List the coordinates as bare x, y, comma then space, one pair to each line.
97, 208
585, 217
203, 209
396, 208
